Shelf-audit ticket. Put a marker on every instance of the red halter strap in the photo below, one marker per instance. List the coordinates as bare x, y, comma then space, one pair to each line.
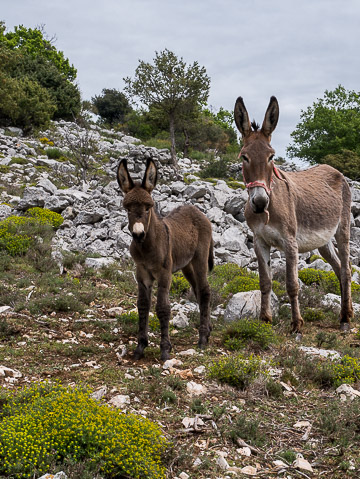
268, 189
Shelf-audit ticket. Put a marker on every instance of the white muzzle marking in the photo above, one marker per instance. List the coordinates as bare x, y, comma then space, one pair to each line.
138, 228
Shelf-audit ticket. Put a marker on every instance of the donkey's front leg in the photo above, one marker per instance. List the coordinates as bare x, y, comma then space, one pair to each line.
143, 304
262, 251
292, 285
163, 313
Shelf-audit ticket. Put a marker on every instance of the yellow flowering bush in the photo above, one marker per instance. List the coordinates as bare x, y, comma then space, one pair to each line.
49, 424
46, 216
10, 239
17, 233
346, 371
46, 141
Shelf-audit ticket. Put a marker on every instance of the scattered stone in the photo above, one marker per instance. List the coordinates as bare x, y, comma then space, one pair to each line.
171, 363
302, 424
190, 421
120, 400
3, 309
199, 370
9, 373
244, 451
195, 389
346, 390
114, 312
98, 263
188, 352
323, 353
247, 305
183, 475
222, 462
180, 321
99, 393
249, 470
59, 475
280, 464
301, 463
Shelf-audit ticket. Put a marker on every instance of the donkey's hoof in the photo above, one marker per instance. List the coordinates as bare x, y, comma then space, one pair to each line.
165, 355
298, 336
345, 327
203, 342
138, 354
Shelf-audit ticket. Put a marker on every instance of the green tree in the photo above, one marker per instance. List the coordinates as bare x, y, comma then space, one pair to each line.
171, 88
33, 42
331, 126
64, 94
112, 105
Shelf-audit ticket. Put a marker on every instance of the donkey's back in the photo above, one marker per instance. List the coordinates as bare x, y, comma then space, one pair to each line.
190, 236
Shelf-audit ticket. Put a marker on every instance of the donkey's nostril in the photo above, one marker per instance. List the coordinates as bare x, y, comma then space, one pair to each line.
259, 203
139, 237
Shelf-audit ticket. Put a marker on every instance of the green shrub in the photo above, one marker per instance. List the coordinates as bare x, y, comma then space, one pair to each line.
229, 278
244, 331
54, 153
179, 284
240, 284
311, 315
327, 280
43, 215
237, 370
62, 303
314, 257
18, 161
49, 424
247, 429
217, 168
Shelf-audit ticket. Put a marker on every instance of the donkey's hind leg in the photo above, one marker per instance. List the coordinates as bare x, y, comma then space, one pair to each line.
329, 253
342, 237
198, 269
188, 272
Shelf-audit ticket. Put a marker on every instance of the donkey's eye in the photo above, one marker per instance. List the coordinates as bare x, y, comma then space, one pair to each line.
245, 158
147, 208
271, 158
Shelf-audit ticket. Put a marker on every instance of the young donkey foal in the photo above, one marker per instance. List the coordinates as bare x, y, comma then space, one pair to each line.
161, 246
294, 212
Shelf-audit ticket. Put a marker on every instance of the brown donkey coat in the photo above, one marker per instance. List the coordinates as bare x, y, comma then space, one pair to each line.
294, 212
161, 246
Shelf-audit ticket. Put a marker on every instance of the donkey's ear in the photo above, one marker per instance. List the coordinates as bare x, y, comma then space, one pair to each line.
242, 118
150, 177
124, 179
271, 117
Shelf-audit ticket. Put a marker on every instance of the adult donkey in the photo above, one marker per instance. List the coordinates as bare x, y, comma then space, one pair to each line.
294, 212
161, 246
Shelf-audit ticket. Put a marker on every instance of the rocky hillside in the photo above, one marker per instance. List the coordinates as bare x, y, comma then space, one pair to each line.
94, 219
254, 403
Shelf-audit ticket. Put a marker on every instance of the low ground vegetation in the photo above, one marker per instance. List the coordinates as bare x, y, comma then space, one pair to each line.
64, 316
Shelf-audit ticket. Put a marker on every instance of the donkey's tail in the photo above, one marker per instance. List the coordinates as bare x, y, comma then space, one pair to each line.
211, 255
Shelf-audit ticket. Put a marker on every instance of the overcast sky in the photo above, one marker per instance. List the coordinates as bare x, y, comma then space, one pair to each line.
293, 49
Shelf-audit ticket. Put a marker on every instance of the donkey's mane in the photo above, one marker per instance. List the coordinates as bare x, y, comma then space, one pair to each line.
255, 126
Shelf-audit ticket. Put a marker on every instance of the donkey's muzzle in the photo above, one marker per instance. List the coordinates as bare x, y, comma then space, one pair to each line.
259, 203
139, 237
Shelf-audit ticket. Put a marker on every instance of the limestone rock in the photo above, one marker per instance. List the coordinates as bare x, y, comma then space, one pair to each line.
247, 305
